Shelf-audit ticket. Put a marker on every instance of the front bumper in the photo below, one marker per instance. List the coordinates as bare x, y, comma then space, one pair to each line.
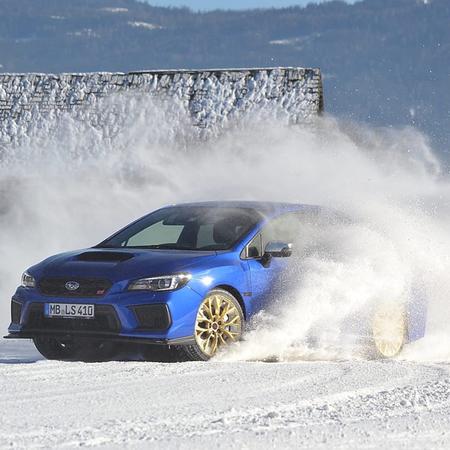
124, 323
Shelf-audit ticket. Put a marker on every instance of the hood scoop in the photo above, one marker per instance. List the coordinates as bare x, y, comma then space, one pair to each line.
104, 256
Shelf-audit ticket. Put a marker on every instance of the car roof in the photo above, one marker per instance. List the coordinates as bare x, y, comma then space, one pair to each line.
267, 209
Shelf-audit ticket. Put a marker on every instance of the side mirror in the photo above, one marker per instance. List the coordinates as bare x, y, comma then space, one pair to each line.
276, 249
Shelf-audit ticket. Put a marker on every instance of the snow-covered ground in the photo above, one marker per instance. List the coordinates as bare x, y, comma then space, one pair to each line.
344, 404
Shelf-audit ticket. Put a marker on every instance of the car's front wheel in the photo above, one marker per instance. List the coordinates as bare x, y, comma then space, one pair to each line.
70, 349
219, 323
56, 348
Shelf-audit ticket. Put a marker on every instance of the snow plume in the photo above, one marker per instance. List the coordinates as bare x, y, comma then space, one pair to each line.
71, 185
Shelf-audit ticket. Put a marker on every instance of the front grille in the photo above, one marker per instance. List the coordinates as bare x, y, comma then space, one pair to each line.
16, 310
88, 287
152, 317
105, 320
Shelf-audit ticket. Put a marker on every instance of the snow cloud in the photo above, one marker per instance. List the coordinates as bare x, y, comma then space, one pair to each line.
72, 188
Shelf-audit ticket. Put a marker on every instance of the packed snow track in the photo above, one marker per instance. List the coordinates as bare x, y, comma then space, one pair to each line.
343, 404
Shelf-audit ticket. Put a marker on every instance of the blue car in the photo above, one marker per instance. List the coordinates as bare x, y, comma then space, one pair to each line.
186, 277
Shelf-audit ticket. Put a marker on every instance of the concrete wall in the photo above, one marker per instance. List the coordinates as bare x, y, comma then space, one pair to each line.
208, 98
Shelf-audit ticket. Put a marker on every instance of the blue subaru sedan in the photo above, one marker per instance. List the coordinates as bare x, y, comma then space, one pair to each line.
185, 276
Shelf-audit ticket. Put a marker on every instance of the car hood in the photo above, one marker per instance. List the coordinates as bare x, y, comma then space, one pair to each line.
120, 264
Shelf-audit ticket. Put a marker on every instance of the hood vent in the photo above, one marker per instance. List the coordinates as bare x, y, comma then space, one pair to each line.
104, 256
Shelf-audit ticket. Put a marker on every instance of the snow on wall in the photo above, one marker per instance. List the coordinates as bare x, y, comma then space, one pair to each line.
32, 102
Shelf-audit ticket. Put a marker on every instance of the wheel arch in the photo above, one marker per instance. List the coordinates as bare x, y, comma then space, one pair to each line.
236, 294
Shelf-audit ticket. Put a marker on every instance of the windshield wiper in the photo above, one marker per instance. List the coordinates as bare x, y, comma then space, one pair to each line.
162, 246
213, 247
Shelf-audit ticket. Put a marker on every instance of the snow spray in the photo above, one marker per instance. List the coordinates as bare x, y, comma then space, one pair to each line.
76, 185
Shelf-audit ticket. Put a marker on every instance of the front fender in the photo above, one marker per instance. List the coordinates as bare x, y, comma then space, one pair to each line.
234, 274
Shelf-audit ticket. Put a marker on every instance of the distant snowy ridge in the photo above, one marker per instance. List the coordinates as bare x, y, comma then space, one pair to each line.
31, 103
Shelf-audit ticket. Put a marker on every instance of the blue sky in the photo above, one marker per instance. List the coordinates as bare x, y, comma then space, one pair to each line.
230, 4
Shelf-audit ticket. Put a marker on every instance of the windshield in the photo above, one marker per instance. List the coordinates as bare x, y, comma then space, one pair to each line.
187, 228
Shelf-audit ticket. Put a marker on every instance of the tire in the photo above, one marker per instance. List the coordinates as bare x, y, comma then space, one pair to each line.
219, 322
55, 348
70, 349
389, 330
93, 350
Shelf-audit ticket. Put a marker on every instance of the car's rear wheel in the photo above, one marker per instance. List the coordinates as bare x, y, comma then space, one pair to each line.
219, 323
71, 349
389, 329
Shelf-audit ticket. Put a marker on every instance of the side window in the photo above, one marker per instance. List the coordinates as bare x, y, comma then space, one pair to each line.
253, 249
307, 230
304, 229
286, 228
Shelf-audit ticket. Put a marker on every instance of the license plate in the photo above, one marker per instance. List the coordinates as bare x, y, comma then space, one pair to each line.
69, 310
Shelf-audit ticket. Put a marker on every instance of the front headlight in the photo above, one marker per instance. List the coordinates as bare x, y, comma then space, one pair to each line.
166, 283
28, 281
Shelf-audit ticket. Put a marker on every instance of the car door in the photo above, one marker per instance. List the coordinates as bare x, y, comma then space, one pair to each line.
267, 281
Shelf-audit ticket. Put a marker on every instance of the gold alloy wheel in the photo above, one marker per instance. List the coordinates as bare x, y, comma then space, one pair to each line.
389, 329
218, 323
